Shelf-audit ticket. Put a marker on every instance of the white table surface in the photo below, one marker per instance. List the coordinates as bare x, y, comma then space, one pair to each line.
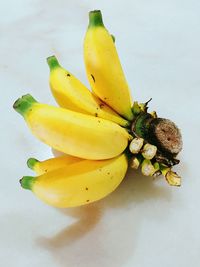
143, 223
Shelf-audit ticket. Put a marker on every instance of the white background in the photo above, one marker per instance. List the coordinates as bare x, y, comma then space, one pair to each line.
143, 223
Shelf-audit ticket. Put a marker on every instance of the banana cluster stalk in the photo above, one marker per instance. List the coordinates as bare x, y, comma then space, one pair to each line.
159, 157
99, 132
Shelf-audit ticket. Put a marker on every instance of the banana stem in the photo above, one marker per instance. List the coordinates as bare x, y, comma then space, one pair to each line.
23, 105
27, 182
160, 132
95, 18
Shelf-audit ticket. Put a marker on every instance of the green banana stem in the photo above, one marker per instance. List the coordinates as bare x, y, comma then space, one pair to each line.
53, 62
95, 19
31, 163
140, 125
27, 182
23, 104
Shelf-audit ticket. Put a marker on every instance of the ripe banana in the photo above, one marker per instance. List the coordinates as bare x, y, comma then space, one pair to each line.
79, 183
70, 93
51, 164
103, 67
71, 132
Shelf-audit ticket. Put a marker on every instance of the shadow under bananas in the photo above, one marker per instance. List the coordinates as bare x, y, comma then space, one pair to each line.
87, 217
106, 232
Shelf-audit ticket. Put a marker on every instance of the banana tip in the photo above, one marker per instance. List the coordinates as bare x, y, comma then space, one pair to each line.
26, 182
95, 11
24, 103
95, 18
31, 163
52, 62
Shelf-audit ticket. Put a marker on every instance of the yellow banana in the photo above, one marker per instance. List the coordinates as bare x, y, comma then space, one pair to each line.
103, 67
79, 183
51, 164
71, 132
70, 93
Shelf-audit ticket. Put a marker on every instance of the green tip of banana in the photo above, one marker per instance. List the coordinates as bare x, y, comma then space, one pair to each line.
52, 62
31, 163
23, 104
95, 12
95, 18
27, 182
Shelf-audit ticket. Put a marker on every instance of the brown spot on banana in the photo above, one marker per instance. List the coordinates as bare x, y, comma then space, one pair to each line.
93, 78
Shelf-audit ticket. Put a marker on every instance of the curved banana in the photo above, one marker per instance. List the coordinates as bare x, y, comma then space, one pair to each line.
79, 183
70, 93
103, 67
51, 164
73, 133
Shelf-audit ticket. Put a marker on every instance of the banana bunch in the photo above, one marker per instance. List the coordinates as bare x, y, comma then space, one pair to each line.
100, 132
